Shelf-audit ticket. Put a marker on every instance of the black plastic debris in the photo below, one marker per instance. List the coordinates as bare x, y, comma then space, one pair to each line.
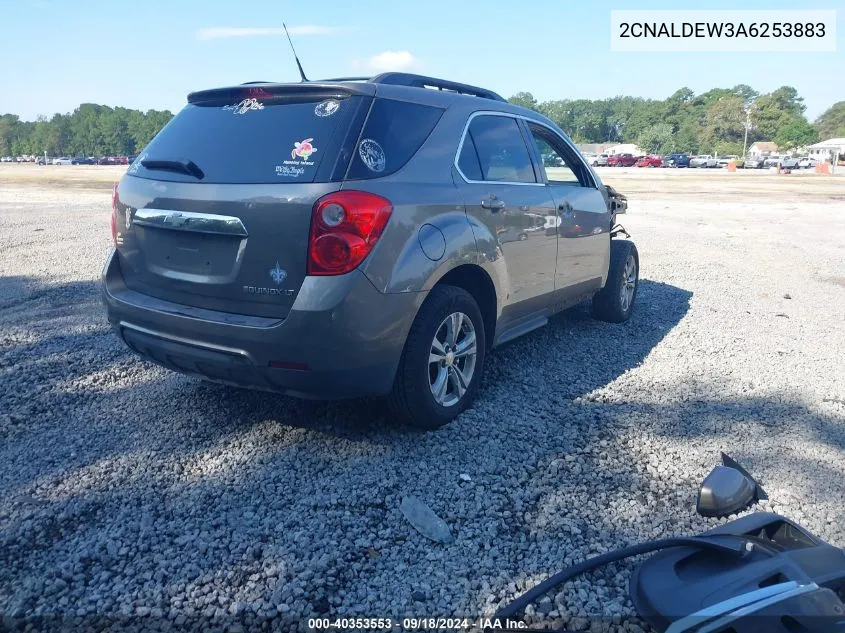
728, 489
759, 574
786, 582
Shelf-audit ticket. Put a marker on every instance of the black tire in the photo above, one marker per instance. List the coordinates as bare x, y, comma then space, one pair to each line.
412, 399
608, 304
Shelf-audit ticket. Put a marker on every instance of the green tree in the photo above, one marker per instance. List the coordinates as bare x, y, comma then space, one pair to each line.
524, 99
724, 123
746, 93
797, 133
775, 110
656, 138
831, 124
8, 133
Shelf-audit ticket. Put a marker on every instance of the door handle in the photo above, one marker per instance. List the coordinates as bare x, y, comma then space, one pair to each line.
493, 204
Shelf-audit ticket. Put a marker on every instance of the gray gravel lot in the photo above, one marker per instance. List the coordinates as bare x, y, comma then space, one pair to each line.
126, 490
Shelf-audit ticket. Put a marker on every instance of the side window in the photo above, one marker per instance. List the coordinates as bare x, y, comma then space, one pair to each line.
500, 149
468, 160
394, 131
560, 164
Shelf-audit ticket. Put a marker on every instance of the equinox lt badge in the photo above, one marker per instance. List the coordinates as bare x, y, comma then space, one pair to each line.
255, 290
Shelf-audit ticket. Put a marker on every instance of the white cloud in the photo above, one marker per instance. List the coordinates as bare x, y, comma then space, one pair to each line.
388, 60
221, 32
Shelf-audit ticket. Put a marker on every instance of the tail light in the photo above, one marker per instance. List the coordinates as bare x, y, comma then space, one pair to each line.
345, 225
114, 214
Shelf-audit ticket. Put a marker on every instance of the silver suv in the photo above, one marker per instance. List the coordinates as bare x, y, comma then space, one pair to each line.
357, 237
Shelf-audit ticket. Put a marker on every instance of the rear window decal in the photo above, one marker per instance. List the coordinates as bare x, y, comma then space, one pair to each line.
289, 171
299, 155
245, 106
372, 155
302, 149
136, 164
327, 107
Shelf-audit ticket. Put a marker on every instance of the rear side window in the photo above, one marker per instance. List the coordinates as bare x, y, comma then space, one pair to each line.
393, 133
468, 160
500, 149
268, 139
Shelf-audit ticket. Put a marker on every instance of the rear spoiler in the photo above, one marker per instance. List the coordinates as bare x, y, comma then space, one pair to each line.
346, 85
261, 90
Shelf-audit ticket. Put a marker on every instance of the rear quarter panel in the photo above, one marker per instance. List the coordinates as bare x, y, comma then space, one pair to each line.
423, 193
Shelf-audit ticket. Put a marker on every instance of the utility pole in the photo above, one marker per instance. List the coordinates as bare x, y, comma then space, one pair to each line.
747, 126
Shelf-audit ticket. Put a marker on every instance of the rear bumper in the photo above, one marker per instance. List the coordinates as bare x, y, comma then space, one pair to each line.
342, 338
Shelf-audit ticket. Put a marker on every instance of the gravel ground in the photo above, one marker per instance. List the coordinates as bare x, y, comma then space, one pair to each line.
128, 491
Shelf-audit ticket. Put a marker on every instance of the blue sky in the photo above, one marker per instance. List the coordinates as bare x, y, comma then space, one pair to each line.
56, 54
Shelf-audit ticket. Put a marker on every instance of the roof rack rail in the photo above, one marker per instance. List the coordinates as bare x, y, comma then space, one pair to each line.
421, 81
344, 79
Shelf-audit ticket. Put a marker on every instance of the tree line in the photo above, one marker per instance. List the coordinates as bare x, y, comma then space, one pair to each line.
712, 122
90, 130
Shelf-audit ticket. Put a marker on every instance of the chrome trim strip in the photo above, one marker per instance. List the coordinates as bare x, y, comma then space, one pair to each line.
721, 623
742, 604
190, 221
189, 342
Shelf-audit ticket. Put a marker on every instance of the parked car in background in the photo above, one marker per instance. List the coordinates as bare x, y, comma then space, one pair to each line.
700, 160
793, 162
551, 160
723, 161
755, 162
621, 160
82, 160
649, 161
773, 161
676, 160
63, 160
807, 163
599, 160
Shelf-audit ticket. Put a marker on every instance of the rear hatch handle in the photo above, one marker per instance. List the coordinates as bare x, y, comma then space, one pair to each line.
188, 167
190, 221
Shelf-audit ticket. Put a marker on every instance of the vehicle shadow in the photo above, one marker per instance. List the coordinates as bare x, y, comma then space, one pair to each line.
62, 364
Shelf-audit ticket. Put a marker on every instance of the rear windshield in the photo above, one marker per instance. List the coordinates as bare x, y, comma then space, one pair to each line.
279, 138
271, 139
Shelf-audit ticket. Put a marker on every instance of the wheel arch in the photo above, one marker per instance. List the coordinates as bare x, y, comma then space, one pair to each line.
478, 283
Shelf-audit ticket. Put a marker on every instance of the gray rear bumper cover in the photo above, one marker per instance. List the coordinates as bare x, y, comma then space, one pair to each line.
348, 334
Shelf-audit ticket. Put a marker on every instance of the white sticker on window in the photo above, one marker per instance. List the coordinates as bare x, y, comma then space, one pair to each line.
245, 106
289, 171
327, 107
372, 155
136, 164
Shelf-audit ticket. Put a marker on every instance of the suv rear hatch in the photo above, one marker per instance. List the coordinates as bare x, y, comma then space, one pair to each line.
215, 212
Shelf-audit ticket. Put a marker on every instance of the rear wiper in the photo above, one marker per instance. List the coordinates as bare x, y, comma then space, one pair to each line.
184, 166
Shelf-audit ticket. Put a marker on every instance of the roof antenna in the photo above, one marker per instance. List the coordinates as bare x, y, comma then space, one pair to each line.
298, 65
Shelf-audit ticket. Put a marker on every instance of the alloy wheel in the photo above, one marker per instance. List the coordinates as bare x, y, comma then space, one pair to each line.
452, 358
